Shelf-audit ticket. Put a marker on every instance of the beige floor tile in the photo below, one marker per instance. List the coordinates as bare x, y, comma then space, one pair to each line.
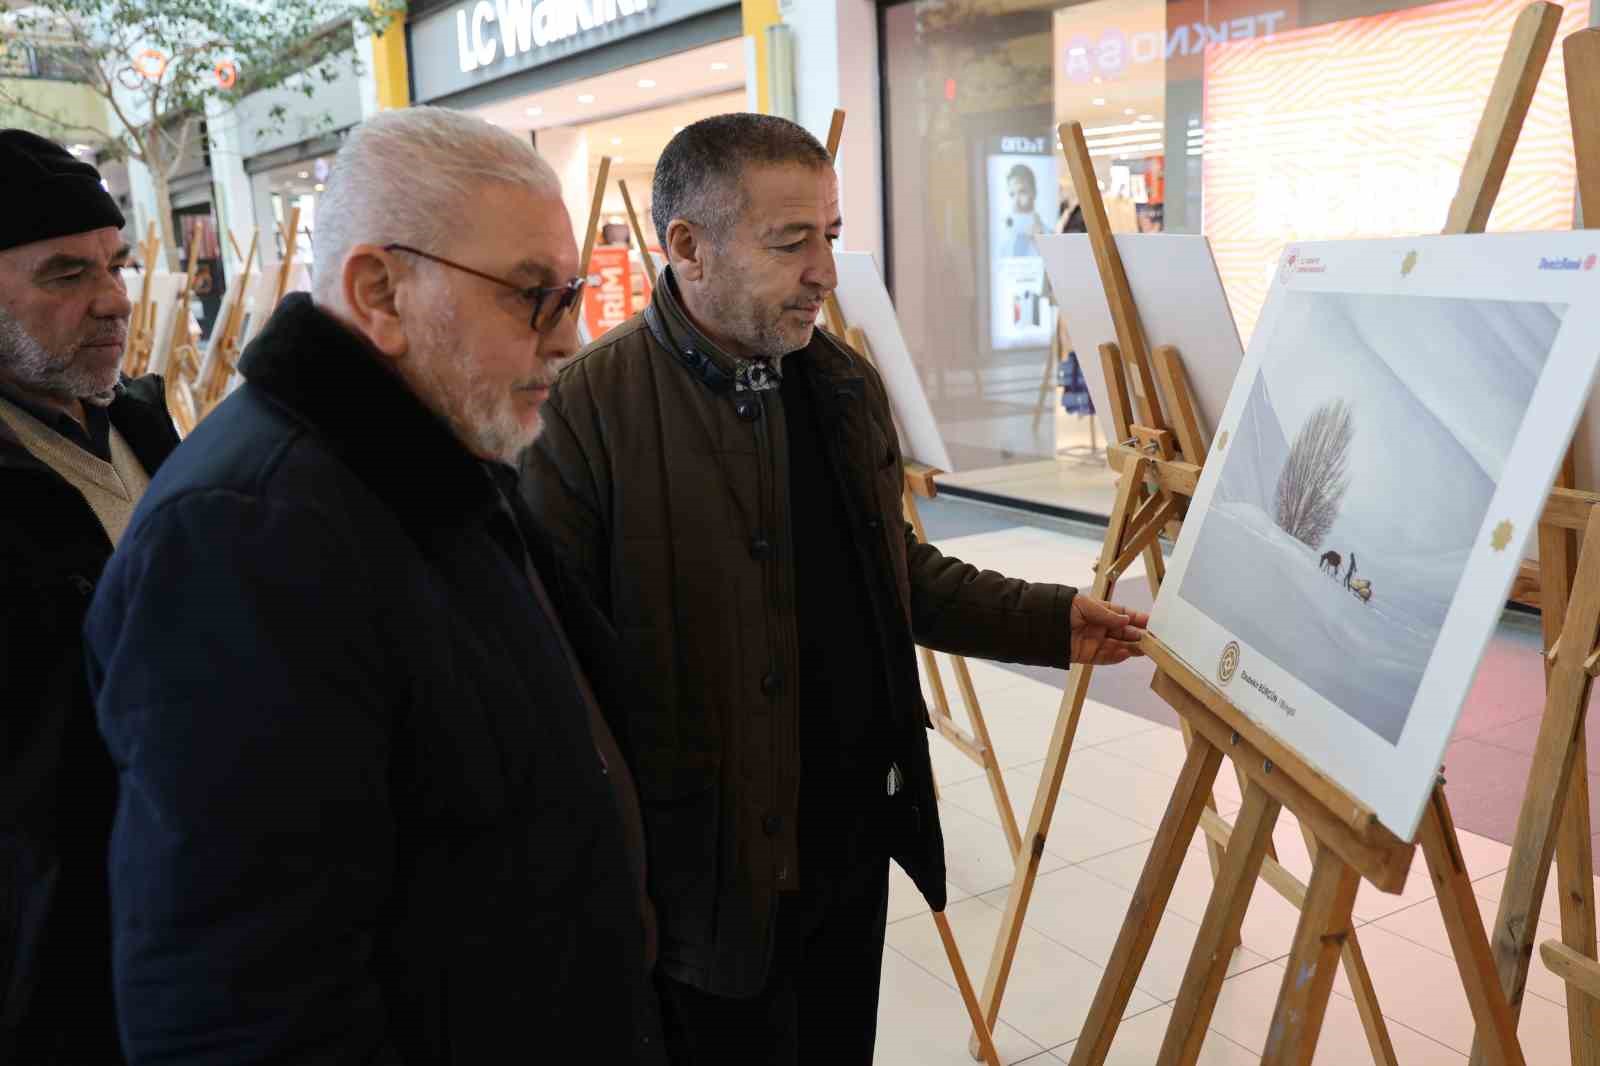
1244, 1014
1074, 907
1269, 924
1138, 793
1162, 750
906, 902
976, 855
1422, 990
1138, 1042
1051, 986
1423, 924
922, 1022
1491, 886
1079, 830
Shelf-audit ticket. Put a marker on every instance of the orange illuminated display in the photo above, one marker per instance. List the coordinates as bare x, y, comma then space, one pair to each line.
1360, 128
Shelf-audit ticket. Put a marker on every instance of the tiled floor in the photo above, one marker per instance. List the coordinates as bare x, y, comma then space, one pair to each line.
1118, 778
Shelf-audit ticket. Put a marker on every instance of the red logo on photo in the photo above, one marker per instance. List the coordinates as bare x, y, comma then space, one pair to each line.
1588, 264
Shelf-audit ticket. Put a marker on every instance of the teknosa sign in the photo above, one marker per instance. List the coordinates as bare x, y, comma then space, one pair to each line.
525, 25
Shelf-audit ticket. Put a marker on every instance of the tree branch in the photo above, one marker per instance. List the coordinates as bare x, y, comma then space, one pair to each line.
11, 100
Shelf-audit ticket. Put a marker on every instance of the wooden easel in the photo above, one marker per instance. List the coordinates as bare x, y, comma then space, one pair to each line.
225, 350
182, 363
592, 232
1554, 819
291, 243
638, 235
1160, 456
142, 324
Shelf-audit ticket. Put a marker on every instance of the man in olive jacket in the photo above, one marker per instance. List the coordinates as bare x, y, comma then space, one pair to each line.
77, 447
727, 481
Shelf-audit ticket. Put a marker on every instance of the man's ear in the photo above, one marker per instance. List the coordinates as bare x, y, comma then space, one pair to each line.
371, 297
686, 249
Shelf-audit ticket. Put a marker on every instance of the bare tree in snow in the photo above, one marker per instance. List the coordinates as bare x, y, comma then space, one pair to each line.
1314, 479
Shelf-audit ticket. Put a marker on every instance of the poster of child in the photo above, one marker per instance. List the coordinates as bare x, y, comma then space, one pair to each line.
1020, 314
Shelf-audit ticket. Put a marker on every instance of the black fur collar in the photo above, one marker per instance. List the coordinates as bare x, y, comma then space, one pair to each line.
331, 379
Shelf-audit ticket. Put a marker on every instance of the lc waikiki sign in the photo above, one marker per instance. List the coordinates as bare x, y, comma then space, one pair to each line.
521, 26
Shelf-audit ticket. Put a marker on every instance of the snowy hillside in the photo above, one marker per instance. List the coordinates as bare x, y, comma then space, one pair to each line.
1256, 454
1415, 489
1265, 587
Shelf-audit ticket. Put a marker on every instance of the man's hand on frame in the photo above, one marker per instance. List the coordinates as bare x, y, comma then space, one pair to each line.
1105, 634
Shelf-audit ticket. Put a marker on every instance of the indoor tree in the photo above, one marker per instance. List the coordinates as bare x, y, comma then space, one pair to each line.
158, 64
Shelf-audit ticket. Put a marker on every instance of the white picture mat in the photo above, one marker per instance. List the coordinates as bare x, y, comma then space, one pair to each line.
1181, 302
1395, 780
866, 306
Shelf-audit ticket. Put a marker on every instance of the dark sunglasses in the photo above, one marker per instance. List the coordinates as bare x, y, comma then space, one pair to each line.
549, 302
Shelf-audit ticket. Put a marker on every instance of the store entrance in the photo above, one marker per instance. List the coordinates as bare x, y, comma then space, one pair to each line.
629, 115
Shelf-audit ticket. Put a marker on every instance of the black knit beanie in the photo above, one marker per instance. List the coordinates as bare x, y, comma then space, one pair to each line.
48, 193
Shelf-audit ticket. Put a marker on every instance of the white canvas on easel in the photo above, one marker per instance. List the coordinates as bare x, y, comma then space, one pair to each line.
867, 306
1458, 367
165, 289
1181, 302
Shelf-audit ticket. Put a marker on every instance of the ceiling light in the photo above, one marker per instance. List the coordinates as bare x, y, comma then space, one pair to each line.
305, 173
618, 159
1130, 110
586, 98
533, 112
616, 140
647, 83
1146, 118
1099, 101
320, 187
719, 65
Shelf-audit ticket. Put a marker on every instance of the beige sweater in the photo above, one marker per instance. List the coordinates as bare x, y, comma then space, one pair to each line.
111, 489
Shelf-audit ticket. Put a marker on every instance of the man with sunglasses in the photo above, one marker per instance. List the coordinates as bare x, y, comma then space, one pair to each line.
370, 810
727, 479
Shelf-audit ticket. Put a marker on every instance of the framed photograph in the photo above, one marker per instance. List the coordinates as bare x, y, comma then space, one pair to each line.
1382, 459
1181, 302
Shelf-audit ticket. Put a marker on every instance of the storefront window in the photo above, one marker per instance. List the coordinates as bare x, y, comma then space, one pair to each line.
1255, 122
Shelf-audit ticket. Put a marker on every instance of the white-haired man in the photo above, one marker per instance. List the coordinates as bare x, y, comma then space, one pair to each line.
370, 812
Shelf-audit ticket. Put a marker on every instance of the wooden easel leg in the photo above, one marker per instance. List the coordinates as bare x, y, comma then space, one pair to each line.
1361, 987
1496, 1028
1325, 925
1149, 903
985, 1036
1219, 931
991, 762
1566, 701
1575, 879
1055, 765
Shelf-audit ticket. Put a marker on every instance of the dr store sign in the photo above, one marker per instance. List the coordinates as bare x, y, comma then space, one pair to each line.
1115, 49
491, 30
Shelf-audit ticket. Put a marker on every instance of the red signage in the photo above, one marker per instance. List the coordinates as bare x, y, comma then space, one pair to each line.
608, 300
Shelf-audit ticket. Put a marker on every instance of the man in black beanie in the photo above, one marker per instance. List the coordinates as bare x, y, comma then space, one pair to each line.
78, 445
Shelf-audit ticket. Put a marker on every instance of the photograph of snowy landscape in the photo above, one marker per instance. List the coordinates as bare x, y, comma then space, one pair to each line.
1358, 480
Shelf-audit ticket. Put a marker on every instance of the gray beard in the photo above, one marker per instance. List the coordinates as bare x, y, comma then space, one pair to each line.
30, 365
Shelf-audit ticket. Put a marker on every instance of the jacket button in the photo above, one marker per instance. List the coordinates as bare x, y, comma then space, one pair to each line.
760, 549
771, 684
874, 525
772, 824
